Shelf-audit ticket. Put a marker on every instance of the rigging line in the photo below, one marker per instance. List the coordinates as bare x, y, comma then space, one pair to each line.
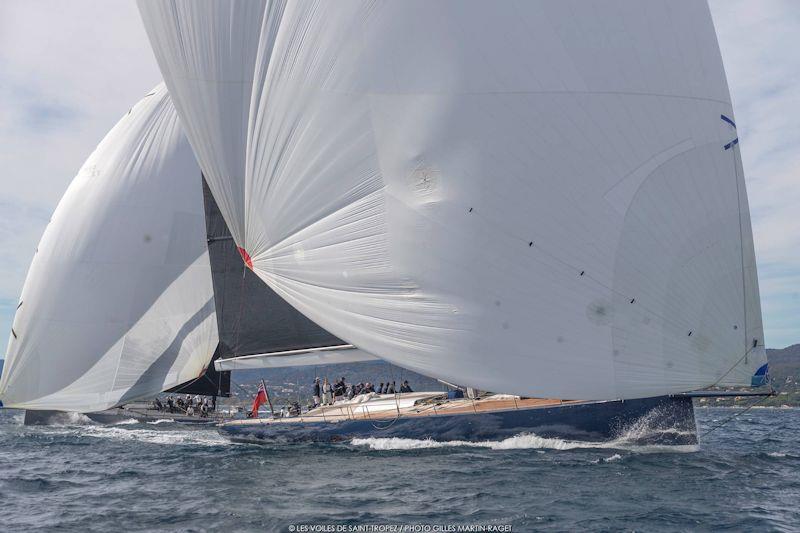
387, 426
744, 293
736, 415
241, 309
247, 392
243, 389
734, 365
741, 247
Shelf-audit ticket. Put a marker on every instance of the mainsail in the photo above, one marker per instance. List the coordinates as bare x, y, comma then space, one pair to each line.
118, 303
542, 198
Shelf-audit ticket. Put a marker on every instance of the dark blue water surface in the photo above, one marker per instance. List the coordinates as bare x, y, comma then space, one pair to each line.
132, 477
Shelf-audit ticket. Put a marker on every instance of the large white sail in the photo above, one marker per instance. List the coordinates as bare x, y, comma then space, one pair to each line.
118, 302
534, 197
207, 52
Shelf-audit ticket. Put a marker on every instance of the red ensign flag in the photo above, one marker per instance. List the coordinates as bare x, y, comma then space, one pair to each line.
261, 398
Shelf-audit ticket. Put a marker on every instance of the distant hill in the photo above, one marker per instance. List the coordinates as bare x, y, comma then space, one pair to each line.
784, 367
297, 382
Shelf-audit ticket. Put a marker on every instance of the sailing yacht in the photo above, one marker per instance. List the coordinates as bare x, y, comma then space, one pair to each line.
541, 199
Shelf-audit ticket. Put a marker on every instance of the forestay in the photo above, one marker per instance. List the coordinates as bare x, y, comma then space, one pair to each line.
540, 198
118, 303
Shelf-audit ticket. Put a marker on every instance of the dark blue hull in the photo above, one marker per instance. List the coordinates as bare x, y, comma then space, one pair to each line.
661, 420
113, 416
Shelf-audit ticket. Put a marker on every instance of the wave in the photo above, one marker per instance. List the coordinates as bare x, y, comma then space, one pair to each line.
126, 422
153, 436
636, 437
525, 441
611, 459
161, 421
781, 455
125, 431
66, 419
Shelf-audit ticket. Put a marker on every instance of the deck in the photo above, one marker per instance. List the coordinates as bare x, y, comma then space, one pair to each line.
418, 404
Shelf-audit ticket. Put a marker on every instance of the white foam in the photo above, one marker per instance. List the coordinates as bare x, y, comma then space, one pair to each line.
630, 439
613, 458
161, 421
527, 441
780, 454
177, 437
152, 436
64, 419
126, 422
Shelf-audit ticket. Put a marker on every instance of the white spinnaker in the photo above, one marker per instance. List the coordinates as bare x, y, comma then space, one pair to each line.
118, 303
532, 197
206, 50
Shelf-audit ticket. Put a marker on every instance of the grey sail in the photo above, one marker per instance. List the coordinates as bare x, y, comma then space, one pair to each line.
251, 318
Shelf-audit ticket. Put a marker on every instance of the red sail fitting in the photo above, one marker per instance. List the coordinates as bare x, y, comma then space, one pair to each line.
245, 257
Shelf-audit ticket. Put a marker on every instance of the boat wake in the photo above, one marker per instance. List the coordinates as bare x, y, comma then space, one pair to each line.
79, 426
161, 421
645, 435
68, 419
526, 441
127, 422
193, 437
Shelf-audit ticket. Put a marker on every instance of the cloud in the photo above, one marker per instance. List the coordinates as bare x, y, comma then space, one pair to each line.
70, 71
758, 41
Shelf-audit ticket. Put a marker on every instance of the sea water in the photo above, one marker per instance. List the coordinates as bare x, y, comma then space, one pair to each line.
82, 476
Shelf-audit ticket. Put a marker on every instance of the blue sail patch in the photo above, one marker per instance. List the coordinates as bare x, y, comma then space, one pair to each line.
760, 377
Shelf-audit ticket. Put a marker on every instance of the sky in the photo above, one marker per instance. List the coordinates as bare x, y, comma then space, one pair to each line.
70, 70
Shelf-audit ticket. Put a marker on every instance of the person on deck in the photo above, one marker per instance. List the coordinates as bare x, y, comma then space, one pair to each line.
316, 392
390, 388
380, 388
349, 394
327, 393
338, 389
405, 387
